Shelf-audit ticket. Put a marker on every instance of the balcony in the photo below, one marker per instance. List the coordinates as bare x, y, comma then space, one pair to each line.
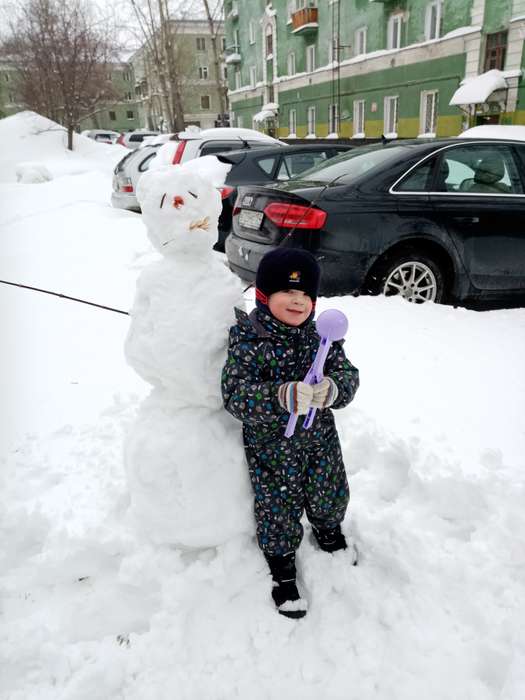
305, 21
232, 55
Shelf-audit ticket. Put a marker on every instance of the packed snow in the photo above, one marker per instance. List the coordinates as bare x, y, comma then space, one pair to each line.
434, 445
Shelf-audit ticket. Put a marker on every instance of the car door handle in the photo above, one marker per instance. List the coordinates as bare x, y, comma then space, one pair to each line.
467, 219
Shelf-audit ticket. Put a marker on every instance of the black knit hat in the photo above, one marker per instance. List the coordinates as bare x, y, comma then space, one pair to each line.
286, 268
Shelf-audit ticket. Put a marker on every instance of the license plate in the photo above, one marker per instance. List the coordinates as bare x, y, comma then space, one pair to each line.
251, 219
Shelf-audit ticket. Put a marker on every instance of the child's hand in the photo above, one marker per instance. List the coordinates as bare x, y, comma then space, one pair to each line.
325, 393
296, 397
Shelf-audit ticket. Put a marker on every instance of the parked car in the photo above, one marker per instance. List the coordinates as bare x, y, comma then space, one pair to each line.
514, 132
436, 221
134, 139
273, 164
183, 146
101, 135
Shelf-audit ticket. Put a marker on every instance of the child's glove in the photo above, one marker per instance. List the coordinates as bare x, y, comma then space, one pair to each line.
295, 397
325, 393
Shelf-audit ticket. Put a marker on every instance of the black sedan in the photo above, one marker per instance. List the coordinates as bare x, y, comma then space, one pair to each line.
439, 221
262, 166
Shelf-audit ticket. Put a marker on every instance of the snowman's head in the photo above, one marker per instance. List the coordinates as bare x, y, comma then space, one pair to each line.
181, 205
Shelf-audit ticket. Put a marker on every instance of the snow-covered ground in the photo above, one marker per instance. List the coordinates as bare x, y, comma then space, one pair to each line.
434, 445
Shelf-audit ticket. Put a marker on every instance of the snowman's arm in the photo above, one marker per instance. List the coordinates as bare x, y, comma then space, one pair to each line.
339, 368
244, 394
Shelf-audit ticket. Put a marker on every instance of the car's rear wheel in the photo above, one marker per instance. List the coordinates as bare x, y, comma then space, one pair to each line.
414, 276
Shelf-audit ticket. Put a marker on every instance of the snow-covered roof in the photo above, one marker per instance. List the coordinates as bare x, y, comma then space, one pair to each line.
263, 114
477, 90
495, 131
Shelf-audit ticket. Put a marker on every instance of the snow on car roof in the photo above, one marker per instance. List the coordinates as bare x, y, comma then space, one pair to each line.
495, 131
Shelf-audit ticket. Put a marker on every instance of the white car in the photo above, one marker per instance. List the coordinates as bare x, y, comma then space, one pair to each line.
179, 148
134, 139
495, 131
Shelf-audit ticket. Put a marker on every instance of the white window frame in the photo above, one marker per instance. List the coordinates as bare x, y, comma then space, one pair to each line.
423, 111
236, 40
251, 31
359, 119
268, 34
203, 72
437, 6
391, 105
290, 63
292, 122
253, 76
333, 118
201, 40
310, 58
239, 121
334, 52
360, 38
209, 102
394, 35
237, 79
310, 121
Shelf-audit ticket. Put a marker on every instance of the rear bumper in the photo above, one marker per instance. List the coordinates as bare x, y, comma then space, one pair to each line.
124, 200
341, 273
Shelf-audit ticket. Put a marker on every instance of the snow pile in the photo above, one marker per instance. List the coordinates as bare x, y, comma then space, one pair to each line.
28, 136
32, 172
183, 443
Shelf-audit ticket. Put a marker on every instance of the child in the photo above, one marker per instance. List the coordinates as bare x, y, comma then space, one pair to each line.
270, 352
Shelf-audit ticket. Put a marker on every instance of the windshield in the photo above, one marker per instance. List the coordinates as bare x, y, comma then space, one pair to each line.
350, 166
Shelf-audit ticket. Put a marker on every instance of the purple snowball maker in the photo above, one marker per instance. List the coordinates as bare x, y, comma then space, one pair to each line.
331, 325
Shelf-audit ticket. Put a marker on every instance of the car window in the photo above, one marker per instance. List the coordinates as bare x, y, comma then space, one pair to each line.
267, 164
479, 169
144, 165
136, 138
419, 179
352, 165
296, 163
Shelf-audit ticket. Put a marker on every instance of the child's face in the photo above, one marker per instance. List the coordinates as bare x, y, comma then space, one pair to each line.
291, 306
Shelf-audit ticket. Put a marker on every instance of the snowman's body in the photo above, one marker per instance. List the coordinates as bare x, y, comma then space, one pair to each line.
184, 456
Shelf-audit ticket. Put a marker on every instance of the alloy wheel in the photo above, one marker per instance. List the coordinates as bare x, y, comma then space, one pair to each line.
414, 281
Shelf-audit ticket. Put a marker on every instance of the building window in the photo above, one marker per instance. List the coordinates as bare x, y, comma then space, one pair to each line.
129, 96
311, 121
253, 76
130, 114
237, 79
434, 20
310, 58
113, 116
334, 51
291, 63
6, 76
239, 121
292, 122
360, 41
201, 43
429, 107
496, 51
203, 72
236, 39
205, 102
126, 76
224, 70
269, 42
391, 112
223, 43
333, 119
251, 31
395, 25
359, 118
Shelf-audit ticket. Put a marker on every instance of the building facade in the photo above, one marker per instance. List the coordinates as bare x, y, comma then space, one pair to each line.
199, 89
363, 68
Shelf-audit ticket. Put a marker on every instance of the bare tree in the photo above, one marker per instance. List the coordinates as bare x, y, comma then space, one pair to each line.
162, 57
214, 26
63, 57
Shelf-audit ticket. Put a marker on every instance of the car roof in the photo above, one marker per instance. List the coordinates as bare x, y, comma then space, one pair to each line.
269, 150
226, 134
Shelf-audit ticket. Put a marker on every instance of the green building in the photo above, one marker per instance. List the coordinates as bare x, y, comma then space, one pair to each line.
362, 68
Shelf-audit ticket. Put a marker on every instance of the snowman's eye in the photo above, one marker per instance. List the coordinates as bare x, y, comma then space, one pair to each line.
193, 195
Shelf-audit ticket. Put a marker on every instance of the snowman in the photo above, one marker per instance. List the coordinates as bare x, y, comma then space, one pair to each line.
184, 457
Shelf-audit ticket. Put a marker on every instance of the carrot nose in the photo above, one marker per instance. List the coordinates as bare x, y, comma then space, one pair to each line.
178, 201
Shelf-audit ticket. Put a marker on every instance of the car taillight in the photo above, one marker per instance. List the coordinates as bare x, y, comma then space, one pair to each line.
178, 153
126, 184
295, 216
226, 192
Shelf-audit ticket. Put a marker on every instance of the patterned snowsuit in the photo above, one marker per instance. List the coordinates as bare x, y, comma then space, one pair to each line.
288, 475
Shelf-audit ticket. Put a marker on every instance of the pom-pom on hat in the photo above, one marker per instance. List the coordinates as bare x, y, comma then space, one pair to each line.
286, 268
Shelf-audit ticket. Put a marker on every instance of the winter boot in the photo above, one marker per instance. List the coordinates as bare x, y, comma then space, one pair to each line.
284, 593
333, 540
